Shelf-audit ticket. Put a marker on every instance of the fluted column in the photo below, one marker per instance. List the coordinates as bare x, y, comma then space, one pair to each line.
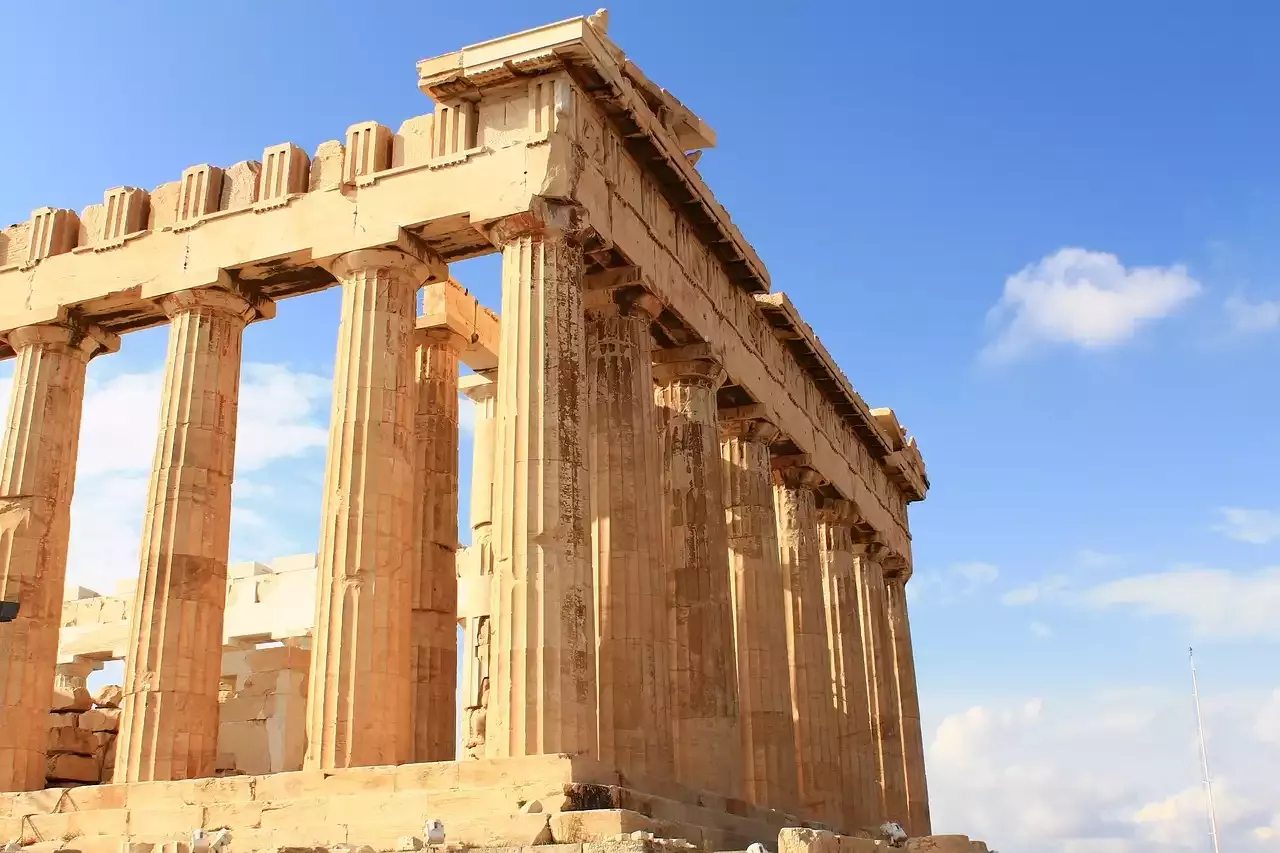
632, 651
358, 702
760, 615
704, 679
542, 665
881, 683
859, 786
806, 635
918, 819
434, 644
169, 719
482, 390
37, 475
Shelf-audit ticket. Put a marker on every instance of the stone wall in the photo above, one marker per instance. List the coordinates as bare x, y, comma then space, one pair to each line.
82, 735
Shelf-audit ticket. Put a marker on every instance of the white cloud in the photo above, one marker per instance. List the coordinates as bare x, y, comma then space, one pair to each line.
283, 415
1088, 558
1218, 603
1047, 589
1085, 298
1106, 771
1256, 526
961, 580
976, 574
1250, 317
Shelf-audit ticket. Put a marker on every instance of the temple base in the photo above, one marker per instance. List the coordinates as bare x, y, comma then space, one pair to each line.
490, 803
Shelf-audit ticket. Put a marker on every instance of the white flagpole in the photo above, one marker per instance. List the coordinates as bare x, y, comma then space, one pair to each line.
1204, 754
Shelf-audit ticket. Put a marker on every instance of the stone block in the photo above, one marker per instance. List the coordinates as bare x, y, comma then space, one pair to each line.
87, 798
197, 792
94, 844
109, 696
72, 768
170, 821
71, 741
978, 847
478, 826
101, 720
68, 719
431, 776
70, 824
599, 825
939, 844
803, 840
71, 699
234, 816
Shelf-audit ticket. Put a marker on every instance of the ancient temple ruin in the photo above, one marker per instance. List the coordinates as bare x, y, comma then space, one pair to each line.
683, 604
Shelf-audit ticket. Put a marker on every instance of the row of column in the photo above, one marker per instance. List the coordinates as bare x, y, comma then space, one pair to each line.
384, 659
643, 588
667, 595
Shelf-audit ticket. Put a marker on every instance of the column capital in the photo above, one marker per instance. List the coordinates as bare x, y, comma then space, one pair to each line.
837, 511
629, 301
758, 430
868, 546
441, 337
796, 471
230, 300
410, 258
479, 387
693, 364
897, 568
70, 332
544, 218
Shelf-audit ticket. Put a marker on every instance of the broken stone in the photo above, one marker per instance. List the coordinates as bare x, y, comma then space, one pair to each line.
109, 696
68, 698
101, 720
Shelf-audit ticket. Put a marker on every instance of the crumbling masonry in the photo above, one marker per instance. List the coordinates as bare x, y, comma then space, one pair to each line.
683, 604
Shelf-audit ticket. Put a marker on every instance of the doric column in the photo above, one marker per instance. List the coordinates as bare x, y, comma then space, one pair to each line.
37, 475
859, 768
918, 819
760, 615
810, 668
632, 659
434, 644
482, 390
542, 665
877, 644
704, 679
358, 701
169, 719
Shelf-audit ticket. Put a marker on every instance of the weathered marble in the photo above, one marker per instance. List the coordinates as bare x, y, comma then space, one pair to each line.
860, 792
704, 683
882, 684
37, 477
358, 709
813, 703
760, 615
635, 704
904, 667
169, 723
434, 583
542, 648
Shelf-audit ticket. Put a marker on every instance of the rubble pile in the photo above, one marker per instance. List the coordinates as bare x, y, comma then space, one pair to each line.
82, 735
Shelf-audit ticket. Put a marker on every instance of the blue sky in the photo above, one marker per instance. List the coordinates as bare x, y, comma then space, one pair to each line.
937, 186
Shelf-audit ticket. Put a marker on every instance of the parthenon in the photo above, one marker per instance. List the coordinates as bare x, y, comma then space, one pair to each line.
683, 603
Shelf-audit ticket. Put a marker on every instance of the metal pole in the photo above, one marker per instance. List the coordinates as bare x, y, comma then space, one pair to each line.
1204, 754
